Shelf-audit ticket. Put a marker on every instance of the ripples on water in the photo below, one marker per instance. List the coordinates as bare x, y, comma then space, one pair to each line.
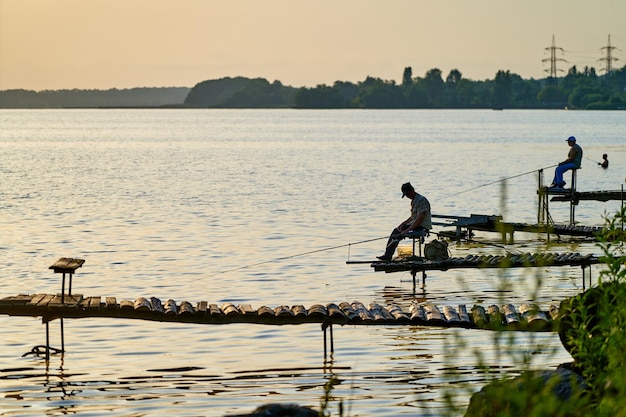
192, 205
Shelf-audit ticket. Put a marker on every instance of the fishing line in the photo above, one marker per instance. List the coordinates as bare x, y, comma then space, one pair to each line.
505, 179
282, 258
511, 251
593, 160
349, 245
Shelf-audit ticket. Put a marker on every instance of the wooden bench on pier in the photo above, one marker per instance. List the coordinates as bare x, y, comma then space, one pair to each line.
66, 266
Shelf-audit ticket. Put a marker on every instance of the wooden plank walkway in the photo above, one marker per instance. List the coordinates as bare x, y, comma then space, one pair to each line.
505, 228
495, 224
486, 261
589, 196
526, 317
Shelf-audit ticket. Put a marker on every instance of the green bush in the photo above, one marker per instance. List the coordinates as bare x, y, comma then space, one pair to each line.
592, 327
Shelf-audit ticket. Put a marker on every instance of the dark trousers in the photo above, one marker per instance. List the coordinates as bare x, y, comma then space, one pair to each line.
394, 241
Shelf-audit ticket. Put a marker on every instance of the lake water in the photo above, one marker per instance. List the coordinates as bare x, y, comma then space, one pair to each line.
259, 207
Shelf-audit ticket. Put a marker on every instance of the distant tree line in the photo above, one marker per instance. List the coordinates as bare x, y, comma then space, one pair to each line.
576, 90
133, 97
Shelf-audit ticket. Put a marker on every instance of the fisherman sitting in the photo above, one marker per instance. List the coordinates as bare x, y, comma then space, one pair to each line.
418, 221
573, 161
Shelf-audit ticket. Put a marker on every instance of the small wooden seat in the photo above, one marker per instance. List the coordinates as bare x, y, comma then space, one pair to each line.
66, 266
419, 237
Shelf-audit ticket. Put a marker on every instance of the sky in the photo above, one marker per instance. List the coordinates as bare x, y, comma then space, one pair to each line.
103, 44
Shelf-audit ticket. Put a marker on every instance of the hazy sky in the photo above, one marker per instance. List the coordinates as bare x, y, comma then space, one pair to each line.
101, 44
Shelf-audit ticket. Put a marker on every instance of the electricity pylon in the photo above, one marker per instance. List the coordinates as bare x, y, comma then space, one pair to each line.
608, 60
553, 59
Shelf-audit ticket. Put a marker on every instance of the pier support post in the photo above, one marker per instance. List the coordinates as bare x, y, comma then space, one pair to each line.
572, 199
62, 336
46, 349
414, 274
543, 210
328, 325
47, 341
583, 268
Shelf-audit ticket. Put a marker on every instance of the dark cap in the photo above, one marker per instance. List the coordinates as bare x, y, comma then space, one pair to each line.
406, 188
570, 139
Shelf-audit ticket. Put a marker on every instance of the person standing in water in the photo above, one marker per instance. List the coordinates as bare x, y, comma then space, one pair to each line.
605, 161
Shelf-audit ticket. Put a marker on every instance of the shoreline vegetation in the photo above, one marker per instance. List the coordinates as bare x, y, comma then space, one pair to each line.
591, 329
578, 90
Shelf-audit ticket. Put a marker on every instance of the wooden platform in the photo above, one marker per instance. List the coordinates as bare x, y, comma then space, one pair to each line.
487, 261
505, 317
506, 228
495, 224
588, 196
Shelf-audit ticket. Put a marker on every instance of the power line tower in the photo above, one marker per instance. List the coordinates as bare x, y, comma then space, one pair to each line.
609, 58
553, 60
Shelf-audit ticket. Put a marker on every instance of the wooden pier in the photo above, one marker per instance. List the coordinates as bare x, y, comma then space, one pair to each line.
487, 261
603, 196
465, 226
527, 317
49, 307
494, 224
508, 317
415, 264
571, 195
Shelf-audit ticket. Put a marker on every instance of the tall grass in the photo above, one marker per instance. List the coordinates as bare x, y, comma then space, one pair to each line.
592, 327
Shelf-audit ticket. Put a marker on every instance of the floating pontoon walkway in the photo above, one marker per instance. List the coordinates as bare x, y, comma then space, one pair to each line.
415, 264
72, 306
487, 261
507, 317
50, 307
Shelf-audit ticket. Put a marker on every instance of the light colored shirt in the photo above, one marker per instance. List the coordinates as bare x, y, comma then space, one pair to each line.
420, 204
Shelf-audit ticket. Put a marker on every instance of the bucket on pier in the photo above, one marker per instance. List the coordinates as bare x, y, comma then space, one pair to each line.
404, 251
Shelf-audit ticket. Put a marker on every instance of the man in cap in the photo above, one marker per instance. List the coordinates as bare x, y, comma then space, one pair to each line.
573, 161
419, 220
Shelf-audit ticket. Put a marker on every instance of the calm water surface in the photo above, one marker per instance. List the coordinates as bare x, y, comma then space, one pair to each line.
245, 206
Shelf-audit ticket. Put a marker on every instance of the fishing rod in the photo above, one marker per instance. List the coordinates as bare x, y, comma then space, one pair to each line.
505, 179
592, 160
282, 258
